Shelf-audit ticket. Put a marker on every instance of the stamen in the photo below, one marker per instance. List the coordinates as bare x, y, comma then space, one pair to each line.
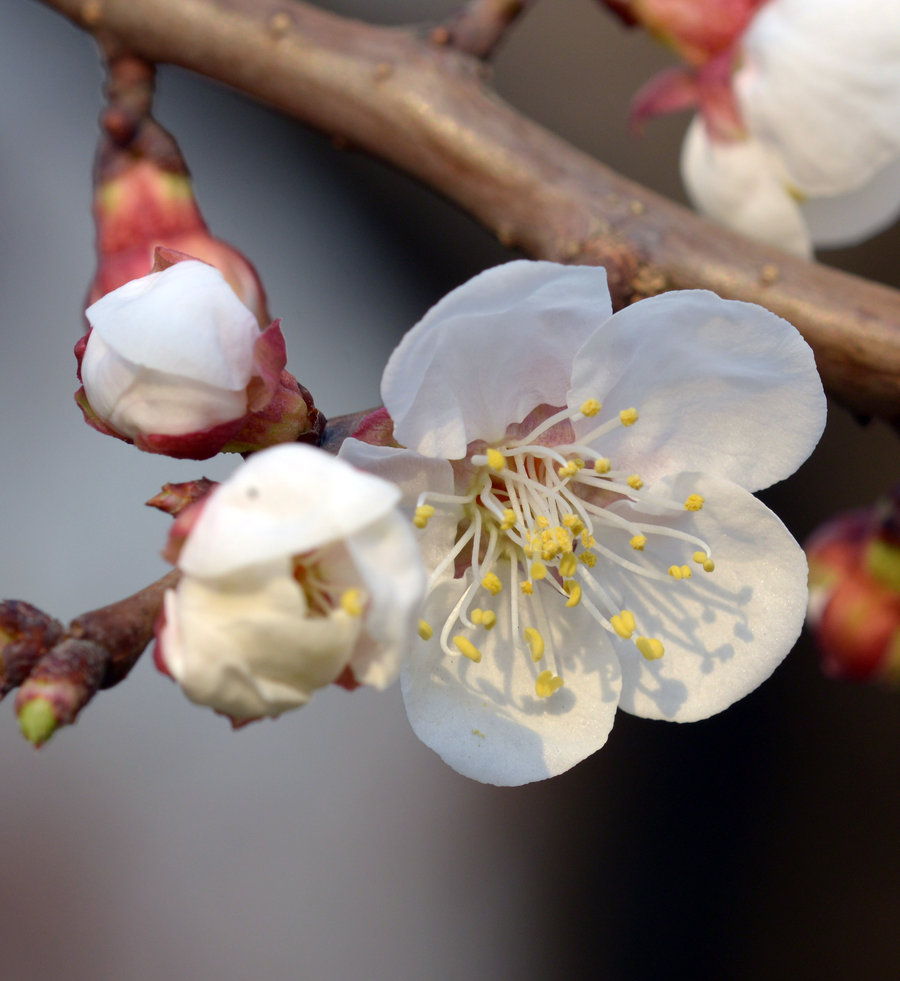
590, 408
623, 624
705, 560
509, 520
496, 460
527, 588
567, 565
535, 642
650, 647
638, 543
573, 588
709, 565
352, 602
635, 482
588, 558
488, 619
538, 570
694, 503
492, 584
422, 514
601, 465
547, 683
477, 616
628, 417
426, 631
467, 648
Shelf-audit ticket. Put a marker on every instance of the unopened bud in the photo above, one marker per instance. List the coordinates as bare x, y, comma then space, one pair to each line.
26, 634
854, 580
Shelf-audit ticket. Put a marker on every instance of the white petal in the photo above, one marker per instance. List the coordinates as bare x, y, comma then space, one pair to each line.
485, 719
490, 352
285, 500
720, 385
413, 474
742, 185
135, 400
724, 632
245, 647
847, 219
389, 564
185, 320
821, 86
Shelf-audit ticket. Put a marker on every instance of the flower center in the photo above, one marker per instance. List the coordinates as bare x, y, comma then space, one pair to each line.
536, 521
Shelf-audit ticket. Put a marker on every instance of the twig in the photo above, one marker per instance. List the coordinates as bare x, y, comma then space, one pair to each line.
426, 109
479, 26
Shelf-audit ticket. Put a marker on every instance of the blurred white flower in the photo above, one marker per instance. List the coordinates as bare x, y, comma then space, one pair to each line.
817, 88
175, 363
298, 571
585, 557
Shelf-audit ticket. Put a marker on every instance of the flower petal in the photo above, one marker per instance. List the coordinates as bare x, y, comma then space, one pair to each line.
288, 499
821, 83
245, 647
185, 321
388, 560
489, 352
720, 386
847, 219
413, 474
742, 185
724, 632
486, 720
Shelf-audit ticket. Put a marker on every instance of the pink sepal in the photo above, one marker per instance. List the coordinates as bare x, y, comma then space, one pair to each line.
377, 429
201, 445
269, 359
181, 528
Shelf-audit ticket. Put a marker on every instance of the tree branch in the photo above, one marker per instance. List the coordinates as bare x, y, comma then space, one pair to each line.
426, 109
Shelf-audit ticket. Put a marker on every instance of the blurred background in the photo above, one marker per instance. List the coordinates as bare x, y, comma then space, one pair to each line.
150, 841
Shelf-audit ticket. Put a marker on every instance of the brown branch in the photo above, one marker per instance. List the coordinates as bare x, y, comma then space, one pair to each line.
479, 26
426, 109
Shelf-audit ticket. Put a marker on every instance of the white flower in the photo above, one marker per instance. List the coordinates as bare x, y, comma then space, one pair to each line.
298, 571
818, 91
587, 557
175, 363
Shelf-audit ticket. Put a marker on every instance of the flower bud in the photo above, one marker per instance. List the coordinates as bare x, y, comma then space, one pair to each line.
26, 634
297, 572
854, 605
176, 364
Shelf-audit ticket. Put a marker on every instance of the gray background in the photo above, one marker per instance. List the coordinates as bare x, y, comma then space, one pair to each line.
151, 842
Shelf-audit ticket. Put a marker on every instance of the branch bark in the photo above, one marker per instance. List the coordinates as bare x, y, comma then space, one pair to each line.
427, 109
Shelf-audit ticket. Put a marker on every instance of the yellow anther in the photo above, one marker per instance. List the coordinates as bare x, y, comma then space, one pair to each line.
588, 558
650, 647
573, 523
477, 616
535, 642
496, 460
623, 624
638, 543
675, 572
352, 602
542, 522
426, 631
509, 520
488, 619
686, 572
538, 570
547, 683
635, 482
527, 588
570, 469
709, 565
567, 565
588, 540
700, 557
492, 584
574, 590
422, 514
590, 408
628, 417
602, 465
467, 648
694, 502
